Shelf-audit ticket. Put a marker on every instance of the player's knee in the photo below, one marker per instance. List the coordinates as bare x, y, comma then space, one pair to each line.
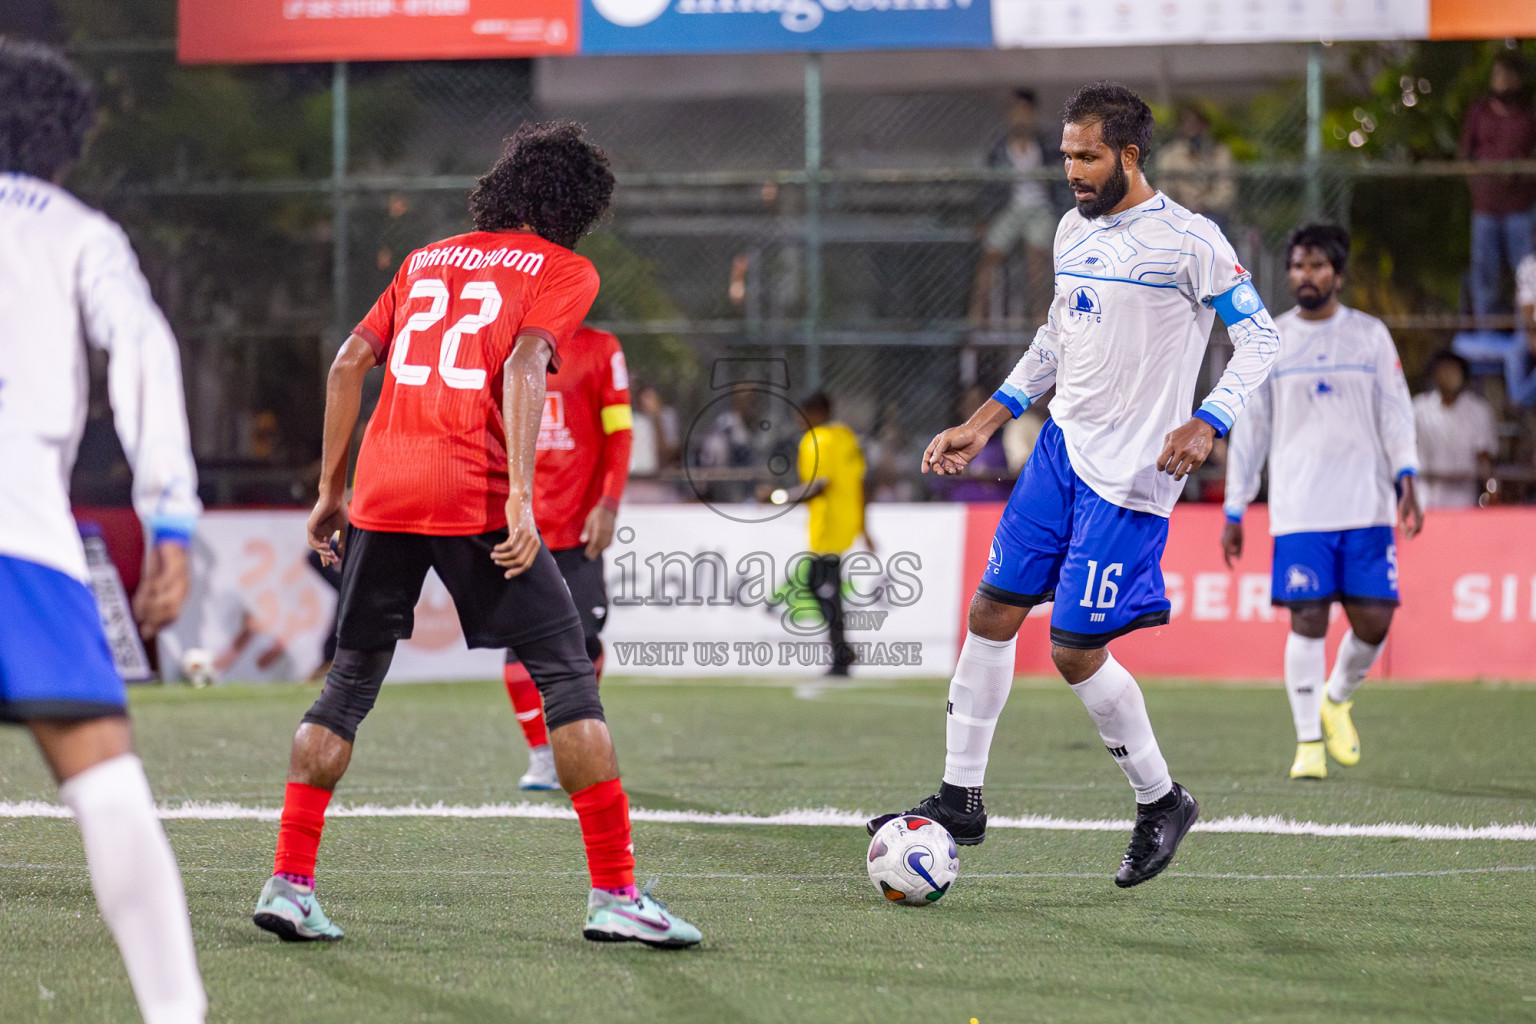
994, 620
1076, 664
351, 689
1370, 624
1310, 620
562, 670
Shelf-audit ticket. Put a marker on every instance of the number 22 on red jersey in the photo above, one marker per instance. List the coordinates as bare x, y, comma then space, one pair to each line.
448, 352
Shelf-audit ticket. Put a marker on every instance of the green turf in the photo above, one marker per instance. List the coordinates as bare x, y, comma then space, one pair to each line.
479, 920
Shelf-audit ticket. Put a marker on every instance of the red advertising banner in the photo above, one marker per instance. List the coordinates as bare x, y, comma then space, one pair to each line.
1468, 586
276, 31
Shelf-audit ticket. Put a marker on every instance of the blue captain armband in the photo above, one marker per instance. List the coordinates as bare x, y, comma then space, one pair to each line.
1238, 303
1016, 400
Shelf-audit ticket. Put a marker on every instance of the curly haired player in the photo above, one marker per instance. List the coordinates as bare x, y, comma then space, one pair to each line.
444, 480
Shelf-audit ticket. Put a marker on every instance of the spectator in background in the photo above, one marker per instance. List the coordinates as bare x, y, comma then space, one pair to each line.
891, 455
986, 477
1457, 438
1520, 373
728, 445
1195, 170
656, 447
1030, 215
1499, 126
832, 471
1019, 437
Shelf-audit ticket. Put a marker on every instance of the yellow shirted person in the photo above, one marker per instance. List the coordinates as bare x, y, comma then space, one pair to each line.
832, 470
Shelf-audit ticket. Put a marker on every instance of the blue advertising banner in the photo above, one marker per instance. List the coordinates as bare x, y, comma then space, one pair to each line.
743, 26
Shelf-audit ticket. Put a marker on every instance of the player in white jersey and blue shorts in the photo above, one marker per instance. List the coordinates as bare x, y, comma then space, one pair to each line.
1336, 423
68, 278
1139, 281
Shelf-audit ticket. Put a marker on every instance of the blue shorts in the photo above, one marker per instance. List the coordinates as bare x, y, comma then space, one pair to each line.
1102, 564
54, 660
1335, 565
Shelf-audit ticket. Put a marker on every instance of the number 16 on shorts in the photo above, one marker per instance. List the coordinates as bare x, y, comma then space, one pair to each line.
1099, 598
1109, 590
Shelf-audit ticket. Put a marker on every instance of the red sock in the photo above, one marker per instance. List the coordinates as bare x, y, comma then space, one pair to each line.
298, 836
526, 702
603, 811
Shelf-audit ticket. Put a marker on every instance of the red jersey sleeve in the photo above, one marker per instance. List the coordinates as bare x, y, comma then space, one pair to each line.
562, 300
618, 423
378, 327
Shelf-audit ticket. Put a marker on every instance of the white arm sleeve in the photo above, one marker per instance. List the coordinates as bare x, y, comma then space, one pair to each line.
1247, 448
1035, 372
1394, 409
143, 382
1255, 344
1220, 282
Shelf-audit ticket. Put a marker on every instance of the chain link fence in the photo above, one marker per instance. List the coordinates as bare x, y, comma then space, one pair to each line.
841, 236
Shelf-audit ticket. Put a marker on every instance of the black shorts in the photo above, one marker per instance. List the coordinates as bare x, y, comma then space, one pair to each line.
588, 589
381, 579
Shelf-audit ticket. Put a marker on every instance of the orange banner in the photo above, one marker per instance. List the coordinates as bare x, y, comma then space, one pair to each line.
1482, 19
1468, 586
275, 31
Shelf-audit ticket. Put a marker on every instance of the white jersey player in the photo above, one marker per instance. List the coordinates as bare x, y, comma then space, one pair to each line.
1336, 423
68, 277
1139, 281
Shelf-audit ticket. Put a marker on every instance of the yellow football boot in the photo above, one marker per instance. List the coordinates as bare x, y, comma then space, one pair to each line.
1339, 732
1311, 762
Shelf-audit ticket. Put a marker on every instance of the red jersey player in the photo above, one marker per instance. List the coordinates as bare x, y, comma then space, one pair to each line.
578, 478
444, 480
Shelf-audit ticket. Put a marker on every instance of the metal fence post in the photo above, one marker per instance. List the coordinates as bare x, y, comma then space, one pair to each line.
812, 219
339, 200
1314, 193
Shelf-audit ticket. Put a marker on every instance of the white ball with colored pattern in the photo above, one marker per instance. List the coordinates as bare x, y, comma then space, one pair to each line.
913, 860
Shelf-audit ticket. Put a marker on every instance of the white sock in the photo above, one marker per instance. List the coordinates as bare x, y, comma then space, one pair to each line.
1354, 660
983, 677
1306, 663
1114, 701
138, 888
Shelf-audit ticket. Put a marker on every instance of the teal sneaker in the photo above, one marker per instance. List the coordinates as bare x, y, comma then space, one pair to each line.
293, 914
644, 919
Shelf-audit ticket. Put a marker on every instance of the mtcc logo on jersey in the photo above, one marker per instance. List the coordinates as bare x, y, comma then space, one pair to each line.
1245, 299
1084, 303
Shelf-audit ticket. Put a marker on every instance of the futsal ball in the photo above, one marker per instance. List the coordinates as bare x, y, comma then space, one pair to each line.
913, 860
197, 666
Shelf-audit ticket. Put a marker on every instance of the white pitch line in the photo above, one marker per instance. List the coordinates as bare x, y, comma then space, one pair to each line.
516, 873
1243, 824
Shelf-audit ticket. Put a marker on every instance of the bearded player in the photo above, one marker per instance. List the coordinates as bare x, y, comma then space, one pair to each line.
1139, 280
68, 280
578, 479
1336, 423
445, 480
